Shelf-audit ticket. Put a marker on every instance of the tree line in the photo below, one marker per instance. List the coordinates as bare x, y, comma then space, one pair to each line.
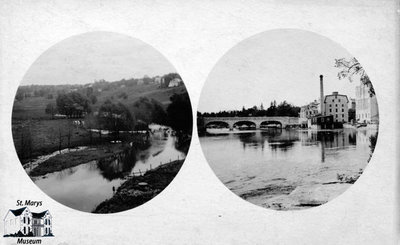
282, 109
116, 116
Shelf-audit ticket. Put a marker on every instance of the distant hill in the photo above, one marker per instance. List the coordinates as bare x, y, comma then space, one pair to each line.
31, 101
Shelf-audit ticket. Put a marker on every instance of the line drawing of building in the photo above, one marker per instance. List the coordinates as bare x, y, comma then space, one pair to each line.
23, 222
366, 105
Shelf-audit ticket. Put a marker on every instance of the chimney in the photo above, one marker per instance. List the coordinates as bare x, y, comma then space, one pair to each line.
321, 90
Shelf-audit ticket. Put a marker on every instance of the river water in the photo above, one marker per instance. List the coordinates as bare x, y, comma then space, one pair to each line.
84, 186
287, 168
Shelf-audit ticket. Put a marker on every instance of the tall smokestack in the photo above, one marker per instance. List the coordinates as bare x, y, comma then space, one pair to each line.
321, 90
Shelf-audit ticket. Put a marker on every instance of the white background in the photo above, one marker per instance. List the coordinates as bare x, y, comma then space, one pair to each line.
196, 208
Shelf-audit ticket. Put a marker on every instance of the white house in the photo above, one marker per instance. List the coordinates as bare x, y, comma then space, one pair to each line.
175, 82
25, 221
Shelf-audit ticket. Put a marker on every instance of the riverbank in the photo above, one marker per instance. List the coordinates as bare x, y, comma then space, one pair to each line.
295, 196
140, 189
72, 159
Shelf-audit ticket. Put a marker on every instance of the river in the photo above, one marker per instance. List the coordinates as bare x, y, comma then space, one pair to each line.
287, 169
84, 186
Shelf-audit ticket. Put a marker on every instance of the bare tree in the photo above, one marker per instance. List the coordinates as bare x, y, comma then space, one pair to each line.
69, 135
352, 67
59, 140
26, 149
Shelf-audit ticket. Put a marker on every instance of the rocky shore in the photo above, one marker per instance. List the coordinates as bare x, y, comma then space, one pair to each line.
140, 189
294, 196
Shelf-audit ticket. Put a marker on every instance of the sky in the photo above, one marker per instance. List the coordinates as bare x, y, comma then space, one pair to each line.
276, 65
93, 56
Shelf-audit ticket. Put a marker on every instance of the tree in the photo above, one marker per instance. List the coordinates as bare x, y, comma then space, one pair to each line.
91, 123
123, 95
115, 117
168, 78
26, 142
51, 109
352, 67
93, 99
19, 96
149, 111
180, 113
72, 104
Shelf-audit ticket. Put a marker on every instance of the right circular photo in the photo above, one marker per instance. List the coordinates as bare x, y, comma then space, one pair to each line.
288, 119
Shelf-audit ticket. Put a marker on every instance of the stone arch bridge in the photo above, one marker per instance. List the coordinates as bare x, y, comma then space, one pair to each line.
257, 121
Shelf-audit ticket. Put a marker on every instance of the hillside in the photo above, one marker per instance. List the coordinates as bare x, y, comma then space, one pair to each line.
34, 107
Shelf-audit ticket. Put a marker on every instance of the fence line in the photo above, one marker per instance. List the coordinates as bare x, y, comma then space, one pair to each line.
140, 173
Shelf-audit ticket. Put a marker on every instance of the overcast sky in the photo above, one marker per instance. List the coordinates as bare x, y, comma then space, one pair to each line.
96, 55
275, 65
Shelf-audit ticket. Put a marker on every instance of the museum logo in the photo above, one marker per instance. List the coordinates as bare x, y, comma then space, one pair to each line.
23, 222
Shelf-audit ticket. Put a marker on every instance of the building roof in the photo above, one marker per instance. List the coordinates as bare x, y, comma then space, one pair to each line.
39, 215
335, 94
18, 212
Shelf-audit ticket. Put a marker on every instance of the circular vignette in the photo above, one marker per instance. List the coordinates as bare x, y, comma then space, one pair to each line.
102, 122
266, 134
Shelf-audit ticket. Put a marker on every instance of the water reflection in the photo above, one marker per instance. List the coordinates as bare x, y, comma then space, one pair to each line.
84, 186
252, 160
275, 138
119, 165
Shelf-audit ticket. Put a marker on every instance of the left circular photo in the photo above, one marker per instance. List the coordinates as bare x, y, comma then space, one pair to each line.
102, 122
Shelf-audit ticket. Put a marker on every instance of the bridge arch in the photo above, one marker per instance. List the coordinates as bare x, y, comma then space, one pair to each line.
217, 124
243, 124
271, 124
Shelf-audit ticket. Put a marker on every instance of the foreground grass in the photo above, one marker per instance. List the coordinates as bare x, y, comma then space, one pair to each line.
138, 190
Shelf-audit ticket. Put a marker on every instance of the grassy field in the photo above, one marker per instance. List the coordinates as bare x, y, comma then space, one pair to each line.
31, 108
71, 159
45, 136
31, 123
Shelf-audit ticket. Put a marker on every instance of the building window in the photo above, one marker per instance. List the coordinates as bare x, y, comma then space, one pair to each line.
336, 115
339, 100
342, 105
343, 115
342, 110
330, 105
336, 109
330, 110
